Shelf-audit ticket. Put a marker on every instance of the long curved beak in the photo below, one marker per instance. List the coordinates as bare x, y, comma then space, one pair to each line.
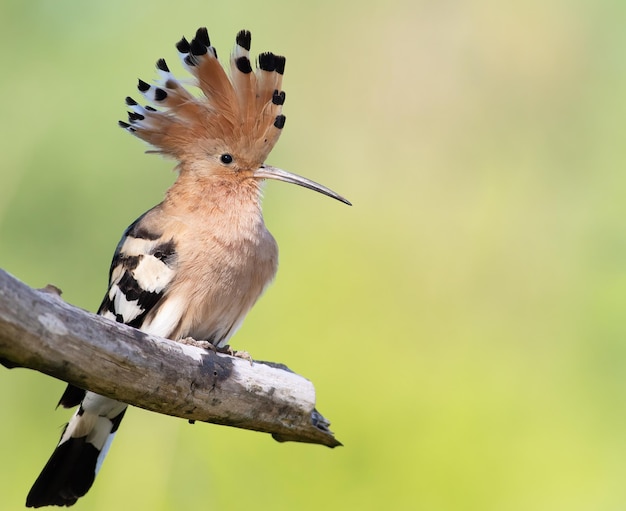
269, 172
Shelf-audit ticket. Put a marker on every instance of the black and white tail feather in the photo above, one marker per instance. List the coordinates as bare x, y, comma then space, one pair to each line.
244, 109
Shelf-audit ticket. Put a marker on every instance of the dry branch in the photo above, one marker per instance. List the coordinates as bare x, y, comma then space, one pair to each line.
38, 330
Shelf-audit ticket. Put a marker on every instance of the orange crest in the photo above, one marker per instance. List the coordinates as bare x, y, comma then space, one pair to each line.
242, 111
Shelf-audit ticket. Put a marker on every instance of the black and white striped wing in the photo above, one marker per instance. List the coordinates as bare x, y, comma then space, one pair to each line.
143, 266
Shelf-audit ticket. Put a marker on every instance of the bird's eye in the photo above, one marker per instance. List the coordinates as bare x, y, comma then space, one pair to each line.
226, 158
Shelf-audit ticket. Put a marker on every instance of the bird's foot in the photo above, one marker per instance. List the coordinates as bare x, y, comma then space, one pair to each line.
51, 289
238, 354
190, 341
244, 355
226, 350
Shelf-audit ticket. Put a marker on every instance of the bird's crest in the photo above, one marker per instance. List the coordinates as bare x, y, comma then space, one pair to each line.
243, 110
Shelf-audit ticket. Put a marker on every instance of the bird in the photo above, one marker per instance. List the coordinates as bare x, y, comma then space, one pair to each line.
194, 264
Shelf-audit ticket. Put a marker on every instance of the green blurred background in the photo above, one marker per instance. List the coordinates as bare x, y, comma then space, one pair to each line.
463, 323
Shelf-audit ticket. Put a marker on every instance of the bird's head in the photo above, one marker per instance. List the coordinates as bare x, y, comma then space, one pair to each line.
230, 128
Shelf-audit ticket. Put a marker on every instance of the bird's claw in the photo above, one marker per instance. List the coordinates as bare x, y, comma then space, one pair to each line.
226, 350
190, 341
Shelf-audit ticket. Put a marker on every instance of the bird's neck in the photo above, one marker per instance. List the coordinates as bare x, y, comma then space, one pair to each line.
216, 201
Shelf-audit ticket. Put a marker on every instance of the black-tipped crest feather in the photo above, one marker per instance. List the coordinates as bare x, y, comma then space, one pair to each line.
243, 64
244, 110
183, 45
142, 86
197, 48
267, 61
202, 36
244, 39
162, 65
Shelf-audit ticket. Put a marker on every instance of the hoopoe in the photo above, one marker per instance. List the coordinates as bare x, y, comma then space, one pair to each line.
195, 264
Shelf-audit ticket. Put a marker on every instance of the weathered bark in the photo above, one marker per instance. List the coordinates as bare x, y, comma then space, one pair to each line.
38, 330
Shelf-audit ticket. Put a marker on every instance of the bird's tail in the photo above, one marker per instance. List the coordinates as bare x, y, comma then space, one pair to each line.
73, 466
